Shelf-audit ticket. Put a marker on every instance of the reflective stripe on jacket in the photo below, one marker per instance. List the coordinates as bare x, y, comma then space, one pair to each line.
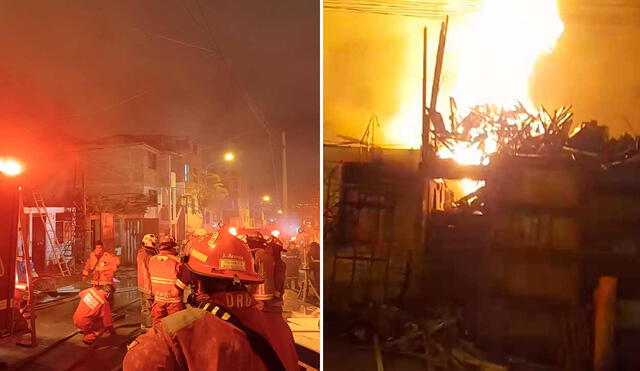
102, 269
198, 340
93, 304
165, 285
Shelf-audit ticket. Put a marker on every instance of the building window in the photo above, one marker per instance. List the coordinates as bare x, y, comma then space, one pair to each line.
153, 196
186, 172
152, 160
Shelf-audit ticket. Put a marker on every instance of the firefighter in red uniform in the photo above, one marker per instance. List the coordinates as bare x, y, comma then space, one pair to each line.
224, 331
102, 267
280, 268
165, 285
93, 315
269, 265
147, 250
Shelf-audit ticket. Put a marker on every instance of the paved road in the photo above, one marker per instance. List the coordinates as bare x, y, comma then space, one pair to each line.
55, 322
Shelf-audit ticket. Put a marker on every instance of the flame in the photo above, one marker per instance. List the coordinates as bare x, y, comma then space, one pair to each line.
10, 167
495, 54
469, 186
498, 48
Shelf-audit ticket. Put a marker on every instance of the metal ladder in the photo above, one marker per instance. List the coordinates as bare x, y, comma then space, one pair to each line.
50, 232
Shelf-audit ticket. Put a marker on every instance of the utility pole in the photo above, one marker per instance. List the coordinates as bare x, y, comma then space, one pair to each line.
285, 196
87, 219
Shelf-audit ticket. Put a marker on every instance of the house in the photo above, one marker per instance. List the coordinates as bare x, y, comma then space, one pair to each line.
138, 184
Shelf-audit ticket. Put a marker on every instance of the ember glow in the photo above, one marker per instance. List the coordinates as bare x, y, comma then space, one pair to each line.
469, 186
10, 167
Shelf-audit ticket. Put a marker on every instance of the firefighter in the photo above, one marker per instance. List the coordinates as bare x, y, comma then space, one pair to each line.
93, 315
198, 338
165, 285
275, 249
200, 232
269, 265
102, 267
147, 250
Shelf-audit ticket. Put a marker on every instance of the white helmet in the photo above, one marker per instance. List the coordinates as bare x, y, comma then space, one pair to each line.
149, 240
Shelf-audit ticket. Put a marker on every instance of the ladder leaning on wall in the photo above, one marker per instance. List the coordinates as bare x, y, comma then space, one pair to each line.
50, 233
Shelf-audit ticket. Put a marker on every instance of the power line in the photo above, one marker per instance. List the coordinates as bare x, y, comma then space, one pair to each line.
115, 105
257, 113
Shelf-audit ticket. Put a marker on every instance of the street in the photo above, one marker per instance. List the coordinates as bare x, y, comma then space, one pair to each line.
54, 323
60, 345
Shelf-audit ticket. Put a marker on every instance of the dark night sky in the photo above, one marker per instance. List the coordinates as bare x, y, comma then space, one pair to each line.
96, 68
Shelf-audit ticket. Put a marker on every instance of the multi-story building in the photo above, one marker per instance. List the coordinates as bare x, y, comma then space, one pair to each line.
138, 184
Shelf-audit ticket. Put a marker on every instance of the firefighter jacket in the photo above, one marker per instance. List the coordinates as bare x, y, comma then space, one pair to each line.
196, 339
102, 269
165, 285
93, 306
265, 266
144, 277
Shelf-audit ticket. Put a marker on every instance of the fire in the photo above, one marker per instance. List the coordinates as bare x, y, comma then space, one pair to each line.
495, 53
10, 167
469, 186
498, 48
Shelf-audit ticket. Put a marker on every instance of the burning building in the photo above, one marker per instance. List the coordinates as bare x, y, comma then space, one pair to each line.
522, 219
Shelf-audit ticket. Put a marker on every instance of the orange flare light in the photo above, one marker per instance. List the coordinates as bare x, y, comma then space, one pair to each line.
10, 167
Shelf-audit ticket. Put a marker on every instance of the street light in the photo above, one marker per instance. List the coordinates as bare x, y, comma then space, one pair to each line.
229, 156
266, 198
280, 211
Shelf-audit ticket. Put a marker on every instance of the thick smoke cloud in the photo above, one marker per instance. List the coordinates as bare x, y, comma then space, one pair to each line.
94, 68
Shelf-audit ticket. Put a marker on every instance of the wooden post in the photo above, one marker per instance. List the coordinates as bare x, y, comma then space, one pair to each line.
423, 109
439, 60
605, 321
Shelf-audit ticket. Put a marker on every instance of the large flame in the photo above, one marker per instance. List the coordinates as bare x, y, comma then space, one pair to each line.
495, 52
498, 48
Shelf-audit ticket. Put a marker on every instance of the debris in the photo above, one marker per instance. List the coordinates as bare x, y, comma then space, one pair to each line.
436, 338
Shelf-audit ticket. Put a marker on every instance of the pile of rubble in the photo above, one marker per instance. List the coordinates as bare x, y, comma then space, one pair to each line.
437, 338
518, 132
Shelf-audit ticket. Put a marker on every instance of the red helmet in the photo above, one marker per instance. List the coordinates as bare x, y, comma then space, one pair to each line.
167, 242
275, 243
222, 255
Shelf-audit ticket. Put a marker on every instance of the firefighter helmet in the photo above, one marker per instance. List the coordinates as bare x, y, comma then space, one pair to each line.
222, 255
149, 240
275, 244
256, 241
167, 242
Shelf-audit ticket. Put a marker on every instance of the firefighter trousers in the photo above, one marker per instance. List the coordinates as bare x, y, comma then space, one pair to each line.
146, 301
91, 328
161, 309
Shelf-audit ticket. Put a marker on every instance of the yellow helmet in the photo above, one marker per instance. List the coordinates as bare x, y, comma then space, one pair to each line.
149, 240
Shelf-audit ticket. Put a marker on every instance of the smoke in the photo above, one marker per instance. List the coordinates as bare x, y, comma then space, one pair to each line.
95, 68
365, 70
594, 68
